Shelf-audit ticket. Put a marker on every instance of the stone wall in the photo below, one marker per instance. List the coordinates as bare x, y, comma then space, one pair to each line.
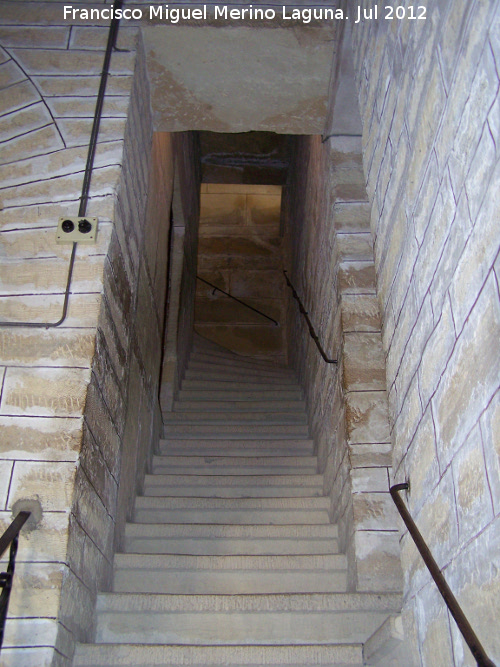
121, 416
429, 99
78, 404
49, 76
330, 261
182, 266
240, 251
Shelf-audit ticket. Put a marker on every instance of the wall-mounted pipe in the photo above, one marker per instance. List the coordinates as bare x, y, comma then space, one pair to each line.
112, 34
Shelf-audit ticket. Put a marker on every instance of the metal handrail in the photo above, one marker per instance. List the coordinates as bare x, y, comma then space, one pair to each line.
456, 611
238, 300
10, 537
309, 323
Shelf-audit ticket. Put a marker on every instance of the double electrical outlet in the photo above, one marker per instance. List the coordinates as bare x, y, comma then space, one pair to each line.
76, 230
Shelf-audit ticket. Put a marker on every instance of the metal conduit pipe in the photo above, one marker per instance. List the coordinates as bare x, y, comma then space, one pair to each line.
84, 197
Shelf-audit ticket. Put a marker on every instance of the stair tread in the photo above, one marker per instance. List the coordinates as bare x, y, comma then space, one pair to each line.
280, 504
231, 558
302, 602
229, 562
136, 655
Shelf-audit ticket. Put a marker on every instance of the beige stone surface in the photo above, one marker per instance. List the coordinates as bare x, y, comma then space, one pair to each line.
5, 478
471, 375
40, 438
18, 96
490, 432
61, 85
201, 90
89, 37
360, 312
10, 74
367, 417
474, 502
364, 367
62, 348
51, 483
50, 275
27, 36
37, 142
43, 215
82, 311
44, 392
59, 163
25, 120
30, 632
55, 61
374, 511
31, 657
365, 480
76, 131
46, 543
37, 590
378, 561
356, 277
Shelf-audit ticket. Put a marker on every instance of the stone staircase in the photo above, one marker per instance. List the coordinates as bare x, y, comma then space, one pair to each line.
231, 558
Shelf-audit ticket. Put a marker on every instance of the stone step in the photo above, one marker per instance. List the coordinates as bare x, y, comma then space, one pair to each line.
234, 430
138, 655
232, 575
235, 465
239, 406
240, 619
234, 486
226, 356
161, 509
238, 385
208, 543
236, 447
238, 376
242, 395
200, 368
208, 416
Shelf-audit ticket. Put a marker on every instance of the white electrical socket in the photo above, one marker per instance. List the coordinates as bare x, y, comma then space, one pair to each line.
76, 230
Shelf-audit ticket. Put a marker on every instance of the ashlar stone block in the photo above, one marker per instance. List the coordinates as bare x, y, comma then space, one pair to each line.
50, 482
23, 121
474, 503
55, 61
490, 432
378, 561
58, 348
46, 37
364, 367
471, 377
82, 311
10, 74
367, 417
36, 591
18, 96
46, 543
50, 392
37, 142
39, 438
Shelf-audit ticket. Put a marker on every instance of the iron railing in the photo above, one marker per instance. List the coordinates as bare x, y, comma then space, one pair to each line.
451, 601
309, 323
255, 310
10, 537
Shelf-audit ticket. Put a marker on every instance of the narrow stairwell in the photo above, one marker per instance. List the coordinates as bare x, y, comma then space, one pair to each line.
231, 558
